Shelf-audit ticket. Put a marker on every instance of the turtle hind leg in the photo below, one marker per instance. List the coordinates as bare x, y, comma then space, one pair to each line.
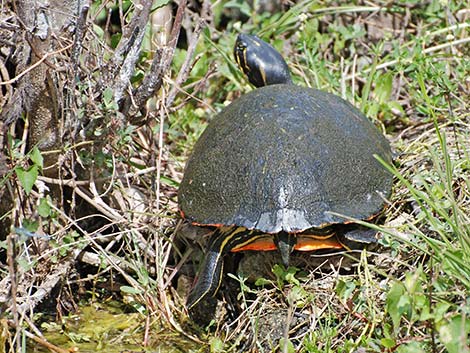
210, 273
223, 240
208, 280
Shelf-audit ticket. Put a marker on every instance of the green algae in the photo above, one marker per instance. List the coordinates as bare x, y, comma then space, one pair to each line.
105, 328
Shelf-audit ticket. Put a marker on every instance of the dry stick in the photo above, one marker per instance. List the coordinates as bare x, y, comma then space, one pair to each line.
160, 152
32, 325
167, 256
36, 64
161, 291
46, 286
147, 330
342, 81
178, 266
150, 84
110, 260
246, 321
175, 30
186, 67
71, 99
6, 76
288, 322
74, 183
93, 188
121, 13
128, 67
353, 83
142, 242
11, 259
97, 261
188, 96
100, 205
96, 201
127, 40
47, 344
32, 300
184, 70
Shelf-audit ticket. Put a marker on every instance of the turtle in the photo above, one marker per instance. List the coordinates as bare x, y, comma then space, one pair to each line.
282, 167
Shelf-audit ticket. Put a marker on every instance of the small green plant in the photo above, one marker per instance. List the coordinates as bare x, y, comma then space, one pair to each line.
27, 173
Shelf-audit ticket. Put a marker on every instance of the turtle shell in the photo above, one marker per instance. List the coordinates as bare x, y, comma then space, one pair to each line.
286, 158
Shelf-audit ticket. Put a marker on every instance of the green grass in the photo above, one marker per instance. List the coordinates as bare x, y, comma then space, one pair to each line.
409, 295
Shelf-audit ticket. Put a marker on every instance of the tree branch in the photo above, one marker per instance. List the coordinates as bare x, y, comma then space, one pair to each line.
160, 65
122, 66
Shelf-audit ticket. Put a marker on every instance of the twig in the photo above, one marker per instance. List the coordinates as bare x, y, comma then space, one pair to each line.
160, 65
36, 64
191, 95
100, 205
47, 344
95, 259
105, 254
74, 183
178, 267
9, 89
46, 286
11, 259
163, 113
185, 68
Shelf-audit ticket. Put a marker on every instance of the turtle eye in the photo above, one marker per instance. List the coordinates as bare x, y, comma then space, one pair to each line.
241, 46
240, 56
240, 49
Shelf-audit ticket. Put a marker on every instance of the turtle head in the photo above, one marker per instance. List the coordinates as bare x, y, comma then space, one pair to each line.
263, 64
